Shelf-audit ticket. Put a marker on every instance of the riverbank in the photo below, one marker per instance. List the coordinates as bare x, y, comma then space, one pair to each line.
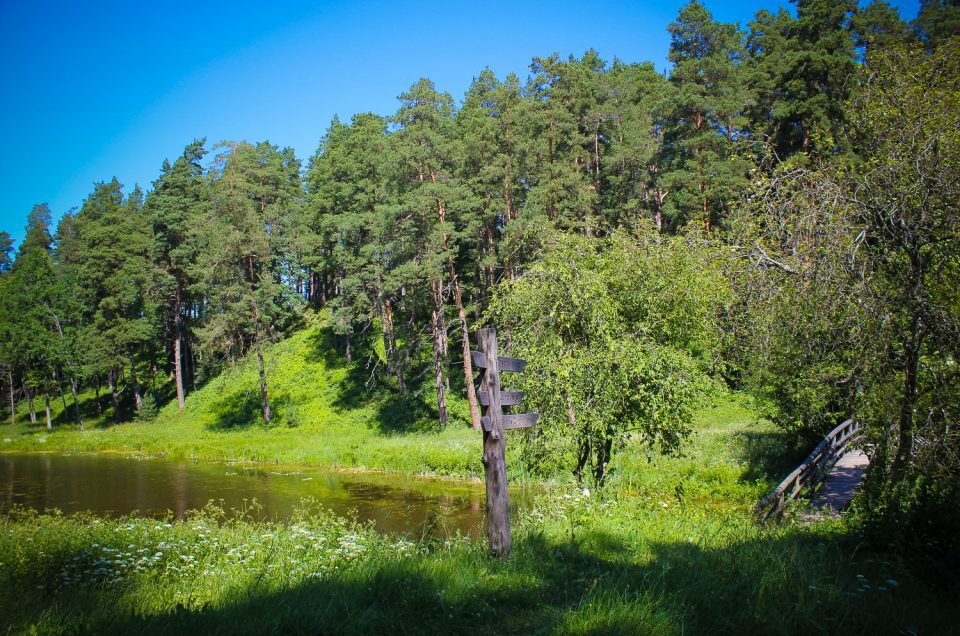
670, 547
581, 564
321, 418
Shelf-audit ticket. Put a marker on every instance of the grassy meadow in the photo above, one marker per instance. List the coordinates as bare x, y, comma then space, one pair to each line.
669, 547
323, 416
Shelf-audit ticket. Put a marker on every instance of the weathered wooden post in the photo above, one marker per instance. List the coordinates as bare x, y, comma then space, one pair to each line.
492, 399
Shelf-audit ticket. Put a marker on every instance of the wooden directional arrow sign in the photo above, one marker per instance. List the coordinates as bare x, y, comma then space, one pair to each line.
519, 420
479, 360
494, 422
507, 398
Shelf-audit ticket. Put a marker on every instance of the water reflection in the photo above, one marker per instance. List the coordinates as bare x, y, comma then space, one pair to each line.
115, 486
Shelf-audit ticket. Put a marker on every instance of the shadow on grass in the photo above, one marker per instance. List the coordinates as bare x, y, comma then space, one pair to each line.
242, 410
796, 583
769, 455
367, 384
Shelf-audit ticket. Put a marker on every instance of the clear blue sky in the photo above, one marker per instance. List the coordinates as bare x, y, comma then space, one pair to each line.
92, 90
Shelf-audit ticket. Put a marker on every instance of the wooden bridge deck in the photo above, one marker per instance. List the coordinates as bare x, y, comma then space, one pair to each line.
840, 484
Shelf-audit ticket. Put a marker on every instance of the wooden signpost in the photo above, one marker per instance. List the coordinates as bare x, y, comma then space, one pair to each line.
492, 399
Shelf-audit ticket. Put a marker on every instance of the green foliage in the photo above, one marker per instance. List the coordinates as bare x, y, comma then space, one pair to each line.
938, 20
148, 408
704, 119
618, 345
581, 564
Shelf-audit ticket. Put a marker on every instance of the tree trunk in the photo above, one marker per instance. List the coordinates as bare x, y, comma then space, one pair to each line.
347, 348
385, 334
178, 348
13, 406
46, 395
137, 400
60, 388
33, 410
96, 393
114, 394
76, 402
264, 400
467, 362
438, 354
908, 401
398, 362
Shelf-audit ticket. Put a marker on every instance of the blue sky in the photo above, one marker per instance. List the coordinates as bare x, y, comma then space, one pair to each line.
89, 91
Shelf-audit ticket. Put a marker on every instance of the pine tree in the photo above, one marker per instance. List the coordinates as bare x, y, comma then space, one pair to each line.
175, 206
113, 272
441, 214
705, 119
938, 20
256, 190
29, 299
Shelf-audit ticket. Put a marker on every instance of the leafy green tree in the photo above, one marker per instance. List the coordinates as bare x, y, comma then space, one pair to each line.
705, 119
113, 270
938, 20
612, 357
256, 190
177, 203
857, 286
907, 125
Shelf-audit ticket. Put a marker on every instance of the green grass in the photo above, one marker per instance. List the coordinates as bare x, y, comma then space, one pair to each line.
581, 565
322, 417
669, 547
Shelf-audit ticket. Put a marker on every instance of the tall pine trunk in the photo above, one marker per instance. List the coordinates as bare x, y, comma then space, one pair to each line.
114, 394
96, 397
178, 348
397, 362
137, 400
76, 402
33, 410
46, 395
258, 342
62, 396
385, 335
438, 353
13, 406
467, 362
264, 400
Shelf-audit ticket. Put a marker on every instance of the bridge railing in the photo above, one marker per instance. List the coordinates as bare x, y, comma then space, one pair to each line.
812, 471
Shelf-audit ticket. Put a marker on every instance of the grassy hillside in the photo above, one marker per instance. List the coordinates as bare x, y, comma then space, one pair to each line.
323, 416
669, 547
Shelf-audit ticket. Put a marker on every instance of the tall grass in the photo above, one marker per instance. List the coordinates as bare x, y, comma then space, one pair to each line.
581, 564
324, 416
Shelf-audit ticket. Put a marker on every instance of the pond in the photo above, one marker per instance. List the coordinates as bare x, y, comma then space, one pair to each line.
117, 485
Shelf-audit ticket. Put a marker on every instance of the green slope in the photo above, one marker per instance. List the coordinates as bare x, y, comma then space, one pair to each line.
323, 415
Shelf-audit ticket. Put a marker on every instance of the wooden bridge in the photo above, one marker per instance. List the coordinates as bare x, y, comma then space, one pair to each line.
831, 473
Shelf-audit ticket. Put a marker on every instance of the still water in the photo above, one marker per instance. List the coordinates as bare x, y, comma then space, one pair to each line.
115, 486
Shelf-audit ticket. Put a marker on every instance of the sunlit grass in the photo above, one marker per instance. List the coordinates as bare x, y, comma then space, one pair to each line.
581, 564
316, 421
